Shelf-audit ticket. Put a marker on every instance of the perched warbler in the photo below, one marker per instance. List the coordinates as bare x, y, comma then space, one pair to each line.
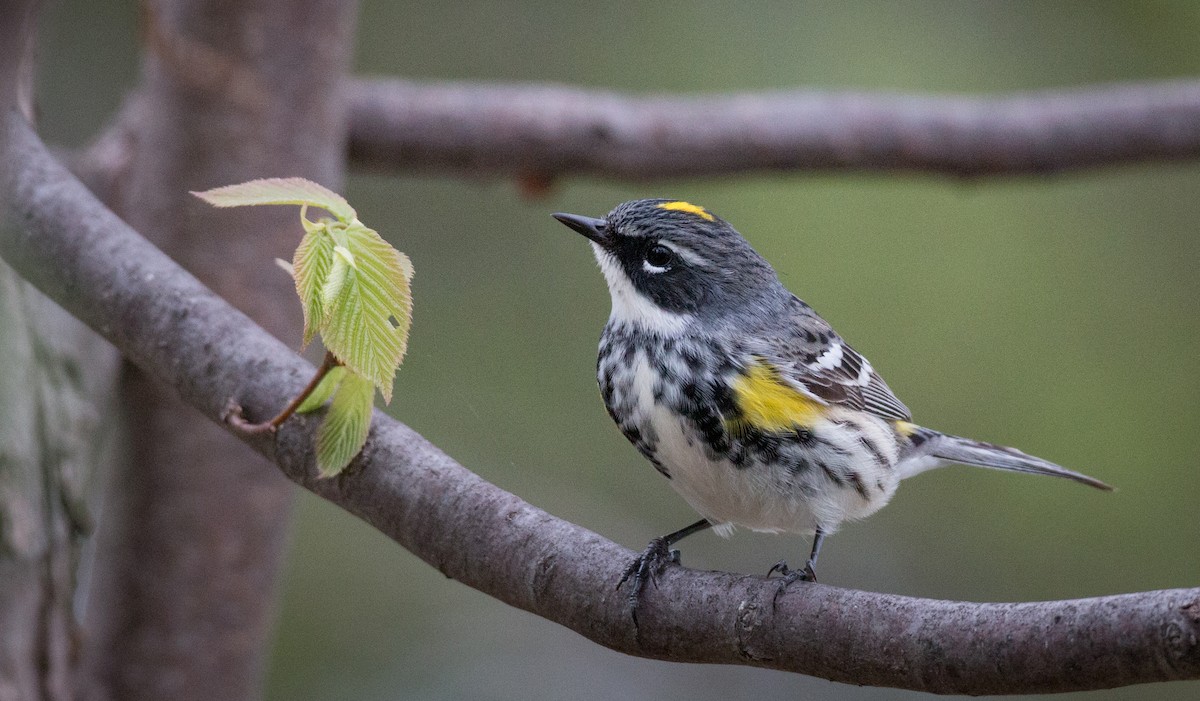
753, 407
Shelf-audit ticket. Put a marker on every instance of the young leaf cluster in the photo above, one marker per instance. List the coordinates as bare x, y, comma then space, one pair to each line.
354, 290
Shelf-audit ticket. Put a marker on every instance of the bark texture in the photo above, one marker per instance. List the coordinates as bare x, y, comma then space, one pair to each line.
541, 132
57, 429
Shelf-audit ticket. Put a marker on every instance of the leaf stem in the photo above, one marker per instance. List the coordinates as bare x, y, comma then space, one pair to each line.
235, 418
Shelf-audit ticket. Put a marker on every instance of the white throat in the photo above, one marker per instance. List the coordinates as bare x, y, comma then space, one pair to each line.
632, 307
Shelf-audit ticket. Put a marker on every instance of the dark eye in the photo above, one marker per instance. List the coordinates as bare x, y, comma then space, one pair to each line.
660, 256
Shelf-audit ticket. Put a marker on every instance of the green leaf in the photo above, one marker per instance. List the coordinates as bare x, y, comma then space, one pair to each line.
280, 191
345, 253
335, 282
323, 391
311, 266
353, 286
344, 431
367, 305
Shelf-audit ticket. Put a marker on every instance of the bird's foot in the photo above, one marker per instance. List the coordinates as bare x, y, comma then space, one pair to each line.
808, 574
646, 568
789, 575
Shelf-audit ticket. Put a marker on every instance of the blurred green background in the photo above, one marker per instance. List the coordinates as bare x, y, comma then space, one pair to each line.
1055, 314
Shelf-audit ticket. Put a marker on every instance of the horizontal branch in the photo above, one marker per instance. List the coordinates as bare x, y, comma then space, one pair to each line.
541, 132
165, 321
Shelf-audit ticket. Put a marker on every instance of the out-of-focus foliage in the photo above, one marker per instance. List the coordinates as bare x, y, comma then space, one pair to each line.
1055, 314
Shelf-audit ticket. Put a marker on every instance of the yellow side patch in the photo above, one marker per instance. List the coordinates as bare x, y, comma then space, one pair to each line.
905, 428
687, 207
768, 404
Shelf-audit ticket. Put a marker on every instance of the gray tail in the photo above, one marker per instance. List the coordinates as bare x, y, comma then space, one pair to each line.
928, 443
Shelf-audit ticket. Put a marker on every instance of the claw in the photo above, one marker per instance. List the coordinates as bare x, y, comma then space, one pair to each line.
653, 560
646, 568
808, 574
789, 575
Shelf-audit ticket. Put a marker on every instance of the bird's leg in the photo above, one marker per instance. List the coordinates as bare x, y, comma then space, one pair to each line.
647, 566
808, 574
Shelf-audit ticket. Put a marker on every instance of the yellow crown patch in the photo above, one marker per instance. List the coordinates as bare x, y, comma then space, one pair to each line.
687, 207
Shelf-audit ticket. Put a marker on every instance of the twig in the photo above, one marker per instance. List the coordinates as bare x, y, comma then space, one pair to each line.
235, 418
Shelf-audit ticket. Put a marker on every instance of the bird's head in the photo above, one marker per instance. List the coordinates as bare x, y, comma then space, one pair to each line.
669, 263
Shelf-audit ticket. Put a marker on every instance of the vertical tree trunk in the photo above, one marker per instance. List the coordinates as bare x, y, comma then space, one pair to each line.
56, 429
193, 529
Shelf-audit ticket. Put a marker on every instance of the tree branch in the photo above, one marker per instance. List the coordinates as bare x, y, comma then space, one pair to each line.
541, 132
166, 322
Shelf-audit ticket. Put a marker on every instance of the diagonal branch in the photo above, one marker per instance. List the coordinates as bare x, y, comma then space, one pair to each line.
541, 132
159, 316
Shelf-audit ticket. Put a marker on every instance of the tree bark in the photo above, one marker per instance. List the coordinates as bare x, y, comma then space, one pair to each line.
56, 438
537, 133
191, 538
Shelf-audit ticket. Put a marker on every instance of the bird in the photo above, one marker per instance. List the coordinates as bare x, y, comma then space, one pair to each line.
756, 411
